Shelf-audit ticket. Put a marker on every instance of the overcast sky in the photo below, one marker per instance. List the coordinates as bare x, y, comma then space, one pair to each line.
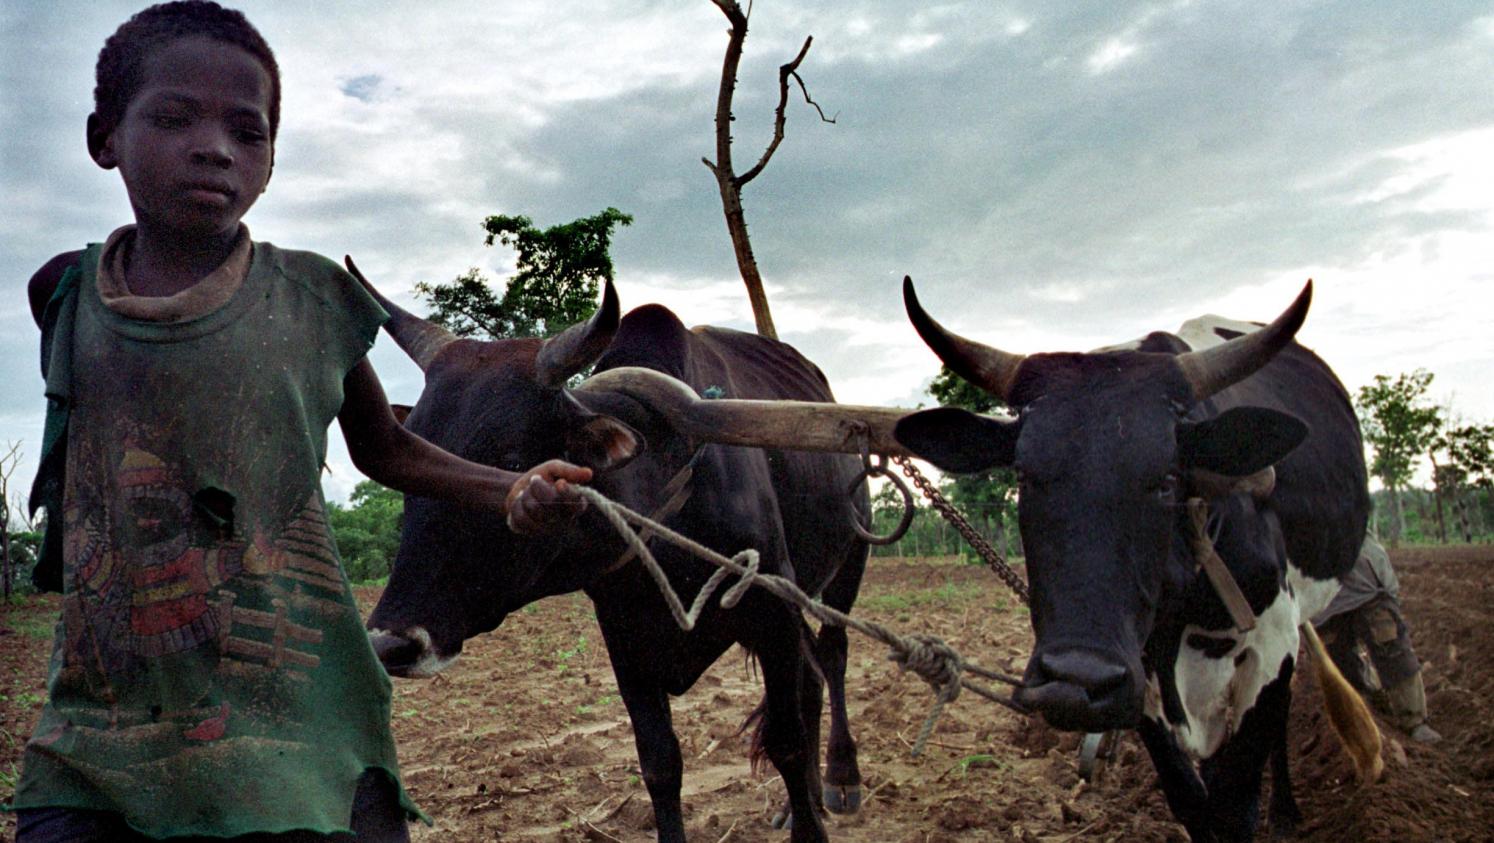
1052, 176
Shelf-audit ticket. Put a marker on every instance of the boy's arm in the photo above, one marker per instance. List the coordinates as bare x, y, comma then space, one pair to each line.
45, 282
536, 500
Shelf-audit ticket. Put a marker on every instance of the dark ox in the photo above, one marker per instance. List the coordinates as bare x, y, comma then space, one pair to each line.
458, 573
1107, 447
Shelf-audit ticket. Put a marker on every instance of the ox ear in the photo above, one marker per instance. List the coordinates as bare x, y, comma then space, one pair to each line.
958, 440
602, 443
401, 412
1240, 441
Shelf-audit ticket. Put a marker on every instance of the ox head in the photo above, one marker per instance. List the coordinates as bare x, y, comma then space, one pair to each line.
503, 403
1106, 447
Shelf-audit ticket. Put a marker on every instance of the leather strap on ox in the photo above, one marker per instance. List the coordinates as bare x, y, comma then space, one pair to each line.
675, 494
1214, 568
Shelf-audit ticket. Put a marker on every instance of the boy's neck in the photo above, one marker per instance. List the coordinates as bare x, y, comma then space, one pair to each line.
160, 266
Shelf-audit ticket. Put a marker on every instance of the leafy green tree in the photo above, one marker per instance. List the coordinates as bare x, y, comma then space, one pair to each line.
560, 272
1400, 425
1468, 468
367, 530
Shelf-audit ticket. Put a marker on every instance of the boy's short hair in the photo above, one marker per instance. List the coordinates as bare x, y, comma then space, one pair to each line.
117, 75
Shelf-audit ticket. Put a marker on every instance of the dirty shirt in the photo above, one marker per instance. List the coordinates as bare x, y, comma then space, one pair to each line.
1369, 580
210, 674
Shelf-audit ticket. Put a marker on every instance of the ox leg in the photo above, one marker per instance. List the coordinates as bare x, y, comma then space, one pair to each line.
1285, 815
811, 704
658, 749
1233, 774
1176, 775
842, 774
788, 743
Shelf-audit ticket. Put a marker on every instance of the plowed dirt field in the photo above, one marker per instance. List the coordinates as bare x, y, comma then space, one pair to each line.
524, 738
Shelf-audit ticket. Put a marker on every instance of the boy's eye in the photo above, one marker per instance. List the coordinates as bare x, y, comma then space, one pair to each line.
252, 137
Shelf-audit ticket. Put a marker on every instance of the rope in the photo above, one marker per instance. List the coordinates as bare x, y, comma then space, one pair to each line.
930, 658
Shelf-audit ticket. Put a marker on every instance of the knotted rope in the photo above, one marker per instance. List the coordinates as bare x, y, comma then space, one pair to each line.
930, 658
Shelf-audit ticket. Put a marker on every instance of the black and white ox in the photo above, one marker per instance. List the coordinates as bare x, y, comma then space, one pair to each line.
506, 403
1108, 446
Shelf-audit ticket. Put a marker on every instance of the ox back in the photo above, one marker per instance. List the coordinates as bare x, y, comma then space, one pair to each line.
812, 489
1322, 486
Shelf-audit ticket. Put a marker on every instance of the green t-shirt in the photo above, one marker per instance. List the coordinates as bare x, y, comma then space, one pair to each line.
210, 674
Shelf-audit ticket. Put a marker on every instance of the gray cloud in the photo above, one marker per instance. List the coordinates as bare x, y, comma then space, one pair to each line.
1069, 174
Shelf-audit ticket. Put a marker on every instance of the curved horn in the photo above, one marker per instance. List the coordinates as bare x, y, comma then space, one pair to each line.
989, 368
1213, 369
578, 346
420, 338
789, 425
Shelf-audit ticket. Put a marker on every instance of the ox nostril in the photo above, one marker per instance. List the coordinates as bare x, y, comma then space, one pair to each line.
395, 650
1098, 676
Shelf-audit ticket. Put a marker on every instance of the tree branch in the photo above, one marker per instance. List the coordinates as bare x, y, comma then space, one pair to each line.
779, 117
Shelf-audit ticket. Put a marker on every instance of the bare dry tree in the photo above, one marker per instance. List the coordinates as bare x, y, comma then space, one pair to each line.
726, 178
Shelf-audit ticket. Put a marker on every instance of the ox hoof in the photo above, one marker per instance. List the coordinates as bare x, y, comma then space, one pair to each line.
784, 819
843, 798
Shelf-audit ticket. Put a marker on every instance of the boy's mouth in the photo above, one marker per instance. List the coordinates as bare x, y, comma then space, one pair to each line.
209, 192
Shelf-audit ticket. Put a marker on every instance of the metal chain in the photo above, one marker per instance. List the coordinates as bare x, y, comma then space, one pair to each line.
994, 560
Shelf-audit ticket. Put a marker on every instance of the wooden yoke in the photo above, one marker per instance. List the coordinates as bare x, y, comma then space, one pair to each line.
788, 425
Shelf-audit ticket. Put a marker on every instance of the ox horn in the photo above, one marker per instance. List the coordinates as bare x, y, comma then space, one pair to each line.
989, 368
578, 346
1213, 369
788, 425
422, 339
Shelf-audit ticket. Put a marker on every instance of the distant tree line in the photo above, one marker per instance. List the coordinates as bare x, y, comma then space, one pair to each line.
1404, 431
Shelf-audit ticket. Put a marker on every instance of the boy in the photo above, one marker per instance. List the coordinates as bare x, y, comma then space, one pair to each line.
211, 677
1367, 611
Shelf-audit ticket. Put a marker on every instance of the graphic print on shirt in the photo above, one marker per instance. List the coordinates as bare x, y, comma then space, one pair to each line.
159, 573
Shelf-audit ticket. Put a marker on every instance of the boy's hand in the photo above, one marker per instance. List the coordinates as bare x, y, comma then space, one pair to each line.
542, 499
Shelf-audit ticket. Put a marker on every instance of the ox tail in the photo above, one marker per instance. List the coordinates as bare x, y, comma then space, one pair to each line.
1347, 712
757, 721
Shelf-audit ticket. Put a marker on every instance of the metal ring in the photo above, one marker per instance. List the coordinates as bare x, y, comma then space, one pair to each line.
901, 529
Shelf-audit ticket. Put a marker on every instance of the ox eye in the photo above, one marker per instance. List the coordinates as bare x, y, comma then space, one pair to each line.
1168, 489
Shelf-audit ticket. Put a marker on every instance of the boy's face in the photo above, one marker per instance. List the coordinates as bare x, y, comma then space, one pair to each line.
194, 144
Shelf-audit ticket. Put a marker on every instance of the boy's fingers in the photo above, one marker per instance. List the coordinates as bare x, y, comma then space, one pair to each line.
559, 470
538, 503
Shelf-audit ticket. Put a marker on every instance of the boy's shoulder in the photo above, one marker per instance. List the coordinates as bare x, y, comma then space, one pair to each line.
44, 282
321, 277
299, 262
316, 272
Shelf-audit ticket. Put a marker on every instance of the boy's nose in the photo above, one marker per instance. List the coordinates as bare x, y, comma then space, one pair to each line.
212, 148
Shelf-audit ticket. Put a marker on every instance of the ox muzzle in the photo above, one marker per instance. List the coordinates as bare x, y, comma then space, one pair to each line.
1078, 689
409, 655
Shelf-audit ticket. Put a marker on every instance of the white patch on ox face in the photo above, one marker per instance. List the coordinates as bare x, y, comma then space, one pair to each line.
1217, 692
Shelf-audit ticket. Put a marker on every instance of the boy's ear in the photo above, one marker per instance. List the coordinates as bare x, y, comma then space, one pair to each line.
99, 147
